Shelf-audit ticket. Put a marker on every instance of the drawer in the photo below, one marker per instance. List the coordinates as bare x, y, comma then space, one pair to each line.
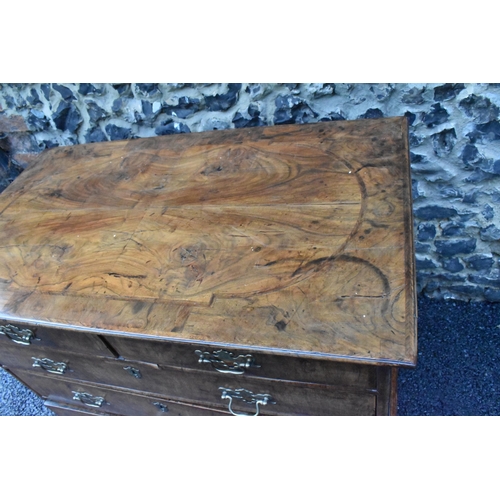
279, 397
64, 410
174, 382
207, 389
24, 336
146, 377
113, 401
195, 386
260, 364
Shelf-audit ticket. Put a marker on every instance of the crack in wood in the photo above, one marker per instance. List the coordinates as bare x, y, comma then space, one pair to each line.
129, 276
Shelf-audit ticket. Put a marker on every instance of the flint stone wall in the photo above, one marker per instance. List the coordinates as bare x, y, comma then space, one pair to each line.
454, 141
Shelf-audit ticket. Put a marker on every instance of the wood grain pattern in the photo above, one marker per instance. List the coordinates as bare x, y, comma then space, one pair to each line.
290, 239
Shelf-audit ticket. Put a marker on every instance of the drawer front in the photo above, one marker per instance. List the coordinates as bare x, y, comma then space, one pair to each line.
64, 410
277, 397
286, 398
25, 336
197, 386
209, 389
259, 365
145, 377
108, 400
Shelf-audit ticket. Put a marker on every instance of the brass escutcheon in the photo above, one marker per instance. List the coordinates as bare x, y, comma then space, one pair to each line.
57, 367
135, 372
88, 399
17, 335
161, 406
226, 362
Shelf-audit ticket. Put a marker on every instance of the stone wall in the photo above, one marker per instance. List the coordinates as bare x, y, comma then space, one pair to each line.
454, 140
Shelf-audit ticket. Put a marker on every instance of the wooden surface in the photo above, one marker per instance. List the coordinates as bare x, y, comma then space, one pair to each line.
291, 399
290, 239
64, 410
264, 365
116, 402
58, 339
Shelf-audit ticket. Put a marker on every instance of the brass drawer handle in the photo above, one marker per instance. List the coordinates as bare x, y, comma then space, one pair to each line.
135, 372
161, 407
57, 367
227, 362
247, 397
17, 335
88, 399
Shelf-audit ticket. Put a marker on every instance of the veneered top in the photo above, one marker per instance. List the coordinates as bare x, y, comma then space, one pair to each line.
294, 239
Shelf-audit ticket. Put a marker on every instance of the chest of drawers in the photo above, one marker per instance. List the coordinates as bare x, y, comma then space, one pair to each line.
249, 272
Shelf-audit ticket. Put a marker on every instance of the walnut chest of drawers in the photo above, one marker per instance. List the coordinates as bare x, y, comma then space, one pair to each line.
253, 271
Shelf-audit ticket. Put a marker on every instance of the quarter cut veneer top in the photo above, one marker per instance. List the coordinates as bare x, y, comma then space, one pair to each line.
293, 239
